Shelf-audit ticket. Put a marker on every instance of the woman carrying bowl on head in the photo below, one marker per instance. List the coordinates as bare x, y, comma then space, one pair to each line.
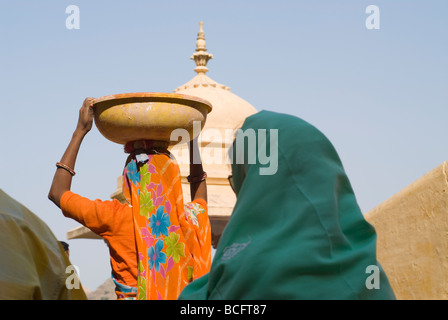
157, 243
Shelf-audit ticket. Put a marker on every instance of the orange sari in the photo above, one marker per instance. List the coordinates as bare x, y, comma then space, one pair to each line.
173, 240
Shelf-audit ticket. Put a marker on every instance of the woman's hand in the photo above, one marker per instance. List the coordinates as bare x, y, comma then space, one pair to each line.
62, 179
85, 119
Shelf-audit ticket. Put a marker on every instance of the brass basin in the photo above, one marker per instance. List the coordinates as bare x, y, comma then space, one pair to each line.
122, 118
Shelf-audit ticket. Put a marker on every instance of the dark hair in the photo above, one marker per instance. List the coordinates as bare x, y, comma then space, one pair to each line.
65, 245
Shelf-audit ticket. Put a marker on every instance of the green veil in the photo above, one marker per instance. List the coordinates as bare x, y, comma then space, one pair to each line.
295, 234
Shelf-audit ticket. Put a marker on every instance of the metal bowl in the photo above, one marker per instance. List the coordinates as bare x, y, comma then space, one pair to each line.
122, 118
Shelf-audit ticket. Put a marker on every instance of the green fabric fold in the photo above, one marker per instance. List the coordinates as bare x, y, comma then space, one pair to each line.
295, 234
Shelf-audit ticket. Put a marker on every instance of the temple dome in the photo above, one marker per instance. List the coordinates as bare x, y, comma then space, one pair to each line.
229, 110
228, 114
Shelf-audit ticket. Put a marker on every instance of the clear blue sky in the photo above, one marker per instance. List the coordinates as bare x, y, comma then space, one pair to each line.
379, 95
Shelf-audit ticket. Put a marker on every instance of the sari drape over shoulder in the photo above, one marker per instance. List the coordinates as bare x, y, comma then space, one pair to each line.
173, 239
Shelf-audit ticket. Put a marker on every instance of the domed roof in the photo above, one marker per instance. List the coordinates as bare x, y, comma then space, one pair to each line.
229, 110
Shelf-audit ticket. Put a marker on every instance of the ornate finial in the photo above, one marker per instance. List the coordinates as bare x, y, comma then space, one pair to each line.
201, 56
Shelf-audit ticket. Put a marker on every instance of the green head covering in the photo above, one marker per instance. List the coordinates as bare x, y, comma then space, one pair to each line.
296, 231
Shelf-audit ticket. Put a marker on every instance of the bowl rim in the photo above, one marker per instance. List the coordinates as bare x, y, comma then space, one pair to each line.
168, 97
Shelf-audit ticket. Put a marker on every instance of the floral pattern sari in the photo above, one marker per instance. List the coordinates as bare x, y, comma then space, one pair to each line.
173, 240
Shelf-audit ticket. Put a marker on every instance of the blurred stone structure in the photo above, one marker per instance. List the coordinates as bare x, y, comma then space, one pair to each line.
412, 228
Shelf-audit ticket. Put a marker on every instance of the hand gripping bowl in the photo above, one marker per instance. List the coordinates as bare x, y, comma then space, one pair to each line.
123, 118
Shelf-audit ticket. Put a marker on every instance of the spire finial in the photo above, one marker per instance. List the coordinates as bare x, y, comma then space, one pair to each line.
201, 56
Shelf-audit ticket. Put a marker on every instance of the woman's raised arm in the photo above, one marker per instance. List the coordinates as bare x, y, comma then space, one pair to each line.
65, 168
198, 186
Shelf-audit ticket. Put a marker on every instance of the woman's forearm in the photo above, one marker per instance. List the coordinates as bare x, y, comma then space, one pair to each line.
198, 189
62, 179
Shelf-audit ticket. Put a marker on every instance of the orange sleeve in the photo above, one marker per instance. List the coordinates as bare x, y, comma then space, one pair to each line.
96, 215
